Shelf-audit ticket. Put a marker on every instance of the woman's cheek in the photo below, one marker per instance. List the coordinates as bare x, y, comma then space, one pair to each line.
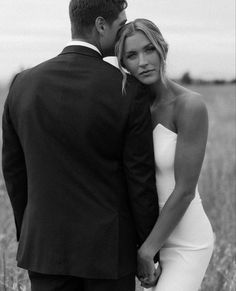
132, 68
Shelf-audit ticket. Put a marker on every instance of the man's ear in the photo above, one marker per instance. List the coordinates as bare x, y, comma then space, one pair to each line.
100, 24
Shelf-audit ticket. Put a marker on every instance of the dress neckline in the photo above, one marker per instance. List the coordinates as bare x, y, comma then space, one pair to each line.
164, 127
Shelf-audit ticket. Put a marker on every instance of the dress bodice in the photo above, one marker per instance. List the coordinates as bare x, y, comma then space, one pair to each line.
164, 149
186, 253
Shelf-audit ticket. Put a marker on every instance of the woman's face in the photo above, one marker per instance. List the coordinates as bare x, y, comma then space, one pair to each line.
141, 58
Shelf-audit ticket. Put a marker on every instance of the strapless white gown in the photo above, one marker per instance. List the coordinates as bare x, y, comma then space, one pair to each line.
186, 254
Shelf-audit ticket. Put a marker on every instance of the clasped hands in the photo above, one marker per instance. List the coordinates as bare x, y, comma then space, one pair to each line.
147, 272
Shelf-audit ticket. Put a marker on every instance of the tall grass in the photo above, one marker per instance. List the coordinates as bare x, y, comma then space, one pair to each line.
217, 187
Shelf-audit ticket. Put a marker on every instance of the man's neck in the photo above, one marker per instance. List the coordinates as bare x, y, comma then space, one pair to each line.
83, 39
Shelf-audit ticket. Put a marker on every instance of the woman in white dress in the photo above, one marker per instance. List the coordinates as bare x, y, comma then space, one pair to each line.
182, 233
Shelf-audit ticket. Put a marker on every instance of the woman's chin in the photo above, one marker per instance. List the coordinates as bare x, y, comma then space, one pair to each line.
148, 81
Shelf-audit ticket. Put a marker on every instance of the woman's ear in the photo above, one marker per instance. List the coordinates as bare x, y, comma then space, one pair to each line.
100, 24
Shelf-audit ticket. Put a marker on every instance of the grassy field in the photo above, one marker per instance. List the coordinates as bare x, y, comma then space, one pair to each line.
217, 187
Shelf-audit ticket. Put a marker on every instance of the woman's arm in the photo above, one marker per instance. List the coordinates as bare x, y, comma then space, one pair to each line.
192, 126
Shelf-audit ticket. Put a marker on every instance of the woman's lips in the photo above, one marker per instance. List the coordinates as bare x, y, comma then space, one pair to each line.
146, 72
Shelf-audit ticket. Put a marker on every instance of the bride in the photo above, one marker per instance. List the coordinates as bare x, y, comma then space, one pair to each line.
182, 233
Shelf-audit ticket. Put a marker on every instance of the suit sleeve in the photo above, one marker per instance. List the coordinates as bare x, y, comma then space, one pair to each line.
140, 167
13, 166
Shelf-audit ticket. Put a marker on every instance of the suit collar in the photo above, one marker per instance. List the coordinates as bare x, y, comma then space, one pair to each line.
83, 43
79, 49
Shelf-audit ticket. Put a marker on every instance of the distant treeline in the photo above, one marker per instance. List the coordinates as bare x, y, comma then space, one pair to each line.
187, 79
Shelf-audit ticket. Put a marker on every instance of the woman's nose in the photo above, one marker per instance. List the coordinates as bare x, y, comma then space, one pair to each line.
142, 60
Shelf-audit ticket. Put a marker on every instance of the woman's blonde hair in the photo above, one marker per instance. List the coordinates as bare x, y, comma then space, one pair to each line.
153, 33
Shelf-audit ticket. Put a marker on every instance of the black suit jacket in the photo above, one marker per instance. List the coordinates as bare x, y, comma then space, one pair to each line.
78, 166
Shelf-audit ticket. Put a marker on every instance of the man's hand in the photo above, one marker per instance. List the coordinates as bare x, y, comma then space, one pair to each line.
147, 272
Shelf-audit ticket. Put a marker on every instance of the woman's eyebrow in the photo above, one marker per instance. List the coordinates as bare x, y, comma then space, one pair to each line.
148, 44
144, 47
130, 51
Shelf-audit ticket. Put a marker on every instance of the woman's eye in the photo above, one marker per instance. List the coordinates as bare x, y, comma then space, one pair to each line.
131, 56
150, 49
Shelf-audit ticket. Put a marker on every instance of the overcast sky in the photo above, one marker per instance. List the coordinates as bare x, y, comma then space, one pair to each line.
200, 33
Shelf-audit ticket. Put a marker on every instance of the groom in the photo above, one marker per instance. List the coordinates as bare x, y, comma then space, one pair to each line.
78, 161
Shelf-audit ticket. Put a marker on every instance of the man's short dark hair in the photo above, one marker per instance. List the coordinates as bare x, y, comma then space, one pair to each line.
83, 13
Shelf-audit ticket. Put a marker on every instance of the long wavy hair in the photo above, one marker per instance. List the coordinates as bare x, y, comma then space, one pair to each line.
153, 33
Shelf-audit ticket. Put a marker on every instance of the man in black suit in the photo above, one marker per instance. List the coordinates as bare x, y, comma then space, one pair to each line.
78, 161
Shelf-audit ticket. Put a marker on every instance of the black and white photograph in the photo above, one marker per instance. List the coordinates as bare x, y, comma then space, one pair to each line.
118, 138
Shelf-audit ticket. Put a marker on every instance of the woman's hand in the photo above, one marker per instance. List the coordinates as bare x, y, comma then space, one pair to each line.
147, 283
147, 272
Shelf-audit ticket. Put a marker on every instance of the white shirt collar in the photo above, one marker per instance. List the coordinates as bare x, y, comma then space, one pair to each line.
83, 43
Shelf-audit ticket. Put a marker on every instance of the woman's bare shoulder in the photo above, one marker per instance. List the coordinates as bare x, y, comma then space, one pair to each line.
189, 101
189, 106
